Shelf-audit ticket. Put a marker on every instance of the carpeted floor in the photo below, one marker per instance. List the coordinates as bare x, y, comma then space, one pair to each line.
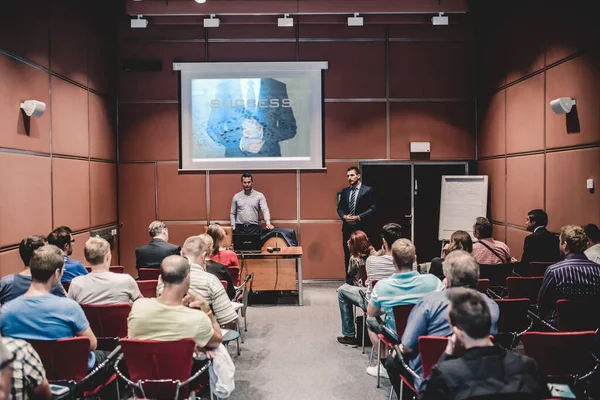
292, 353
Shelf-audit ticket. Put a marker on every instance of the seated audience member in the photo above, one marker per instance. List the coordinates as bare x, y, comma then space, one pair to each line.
39, 315
360, 249
62, 237
15, 285
487, 250
220, 254
215, 268
483, 369
378, 268
430, 316
169, 318
28, 374
459, 240
593, 244
403, 288
574, 278
102, 286
205, 284
151, 255
541, 245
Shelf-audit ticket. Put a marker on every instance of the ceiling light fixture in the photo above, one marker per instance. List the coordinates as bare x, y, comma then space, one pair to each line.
212, 22
200, 1
285, 22
140, 22
355, 21
441, 19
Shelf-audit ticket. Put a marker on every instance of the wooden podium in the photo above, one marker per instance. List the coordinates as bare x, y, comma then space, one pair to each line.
274, 271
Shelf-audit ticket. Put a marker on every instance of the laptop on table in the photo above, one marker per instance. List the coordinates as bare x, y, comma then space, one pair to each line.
247, 243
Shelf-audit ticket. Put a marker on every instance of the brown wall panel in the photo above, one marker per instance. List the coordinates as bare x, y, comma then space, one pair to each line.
103, 193
431, 69
69, 118
567, 199
318, 190
21, 82
525, 41
491, 59
341, 31
496, 172
10, 262
441, 124
68, 43
458, 32
180, 196
492, 132
71, 193
355, 130
247, 52
101, 59
102, 129
524, 187
580, 79
252, 31
323, 256
149, 132
25, 197
499, 232
356, 69
525, 115
178, 233
80, 240
515, 239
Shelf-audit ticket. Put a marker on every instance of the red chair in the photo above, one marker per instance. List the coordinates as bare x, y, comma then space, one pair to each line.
513, 322
235, 274
430, 351
535, 268
524, 287
149, 274
148, 288
108, 322
496, 273
89, 269
576, 316
364, 319
483, 285
66, 286
225, 284
117, 269
159, 369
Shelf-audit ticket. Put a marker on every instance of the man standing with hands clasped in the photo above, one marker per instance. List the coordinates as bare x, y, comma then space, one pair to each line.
356, 207
245, 206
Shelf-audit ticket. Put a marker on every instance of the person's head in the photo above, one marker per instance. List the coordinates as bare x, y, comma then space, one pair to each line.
389, 234
461, 240
536, 218
28, 245
572, 240
482, 229
217, 233
46, 265
158, 230
359, 244
194, 249
460, 270
62, 237
469, 315
97, 252
403, 253
208, 241
6, 372
175, 273
353, 175
593, 234
247, 181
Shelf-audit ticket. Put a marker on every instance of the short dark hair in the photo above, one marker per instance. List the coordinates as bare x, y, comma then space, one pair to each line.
174, 269
390, 233
45, 261
355, 168
592, 231
28, 245
60, 237
575, 238
483, 227
469, 312
539, 216
247, 175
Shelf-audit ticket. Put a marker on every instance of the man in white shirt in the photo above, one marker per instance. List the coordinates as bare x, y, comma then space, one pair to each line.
593, 244
102, 286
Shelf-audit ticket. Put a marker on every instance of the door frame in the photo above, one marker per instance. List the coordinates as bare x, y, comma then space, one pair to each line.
412, 165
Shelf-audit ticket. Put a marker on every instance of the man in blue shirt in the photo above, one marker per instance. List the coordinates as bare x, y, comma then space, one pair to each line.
39, 315
404, 287
62, 237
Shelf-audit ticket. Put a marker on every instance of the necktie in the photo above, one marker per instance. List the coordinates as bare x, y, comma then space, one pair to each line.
251, 98
353, 201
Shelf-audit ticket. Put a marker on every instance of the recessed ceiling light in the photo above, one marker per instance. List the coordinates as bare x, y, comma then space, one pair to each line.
200, 1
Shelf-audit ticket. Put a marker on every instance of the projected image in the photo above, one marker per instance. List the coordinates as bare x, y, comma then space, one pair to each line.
250, 118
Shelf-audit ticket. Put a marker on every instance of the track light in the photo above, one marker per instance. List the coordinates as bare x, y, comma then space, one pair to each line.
139, 22
441, 19
200, 1
212, 22
355, 21
285, 22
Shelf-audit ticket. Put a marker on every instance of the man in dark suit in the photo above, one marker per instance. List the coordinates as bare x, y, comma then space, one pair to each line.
356, 207
541, 245
151, 255
251, 116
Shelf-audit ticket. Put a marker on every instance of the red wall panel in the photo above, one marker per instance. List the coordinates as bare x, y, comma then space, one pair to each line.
492, 132
69, 118
318, 190
102, 129
524, 187
496, 172
525, 115
515, 239
78, 247
179, 232
180, 196
499, 233
341, 31
247, 52
68, 46
10, 262
71, 193
103, 193
323, 256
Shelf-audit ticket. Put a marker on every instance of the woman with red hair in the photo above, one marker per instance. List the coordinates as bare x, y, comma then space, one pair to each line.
360, 248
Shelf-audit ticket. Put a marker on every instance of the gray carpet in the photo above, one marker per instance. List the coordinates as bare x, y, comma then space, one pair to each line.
292, 353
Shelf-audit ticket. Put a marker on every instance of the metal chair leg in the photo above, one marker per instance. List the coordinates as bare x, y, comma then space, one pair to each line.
391, 391
364, 331
378, 361
371, 356
238, 346
401, 394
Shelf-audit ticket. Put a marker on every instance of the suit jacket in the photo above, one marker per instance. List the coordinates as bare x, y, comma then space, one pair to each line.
151, 255
365, 208
541, 245
225, 122
220, 271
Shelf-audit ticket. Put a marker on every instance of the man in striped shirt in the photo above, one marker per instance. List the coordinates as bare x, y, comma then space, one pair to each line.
574, 278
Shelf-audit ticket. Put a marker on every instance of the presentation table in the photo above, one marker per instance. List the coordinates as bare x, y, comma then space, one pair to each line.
278, 270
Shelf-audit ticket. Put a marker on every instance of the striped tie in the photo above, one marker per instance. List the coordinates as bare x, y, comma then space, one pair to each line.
353, 201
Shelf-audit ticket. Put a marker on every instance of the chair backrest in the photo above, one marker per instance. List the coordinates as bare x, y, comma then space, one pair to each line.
483, 285
560, 354
496, 273
89, 269
109, 321
66, 286
234, 272
117, 269
535, 268
524, 287
149, 274
225, 284
148, 288
64, 359
577, 316
154, 359
513, 315
401, 314
430, 351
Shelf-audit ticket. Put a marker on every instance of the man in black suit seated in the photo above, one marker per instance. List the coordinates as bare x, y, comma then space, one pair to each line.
151, 255
355, 208
541, 245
